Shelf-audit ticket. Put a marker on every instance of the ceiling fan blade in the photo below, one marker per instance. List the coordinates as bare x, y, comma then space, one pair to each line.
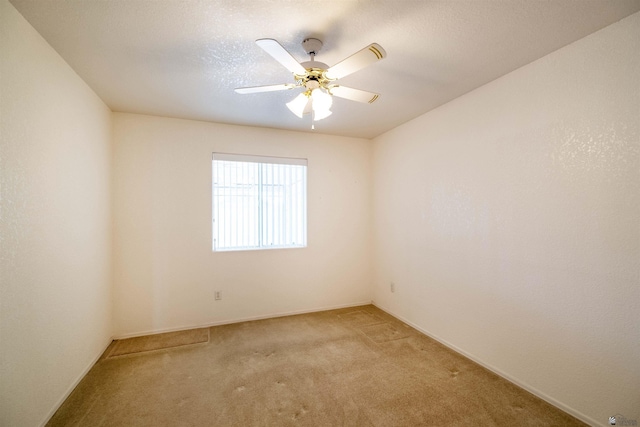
280, 54
269, 88
367, 56
353, 94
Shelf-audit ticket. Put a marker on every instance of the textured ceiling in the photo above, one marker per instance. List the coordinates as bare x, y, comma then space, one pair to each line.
184, 58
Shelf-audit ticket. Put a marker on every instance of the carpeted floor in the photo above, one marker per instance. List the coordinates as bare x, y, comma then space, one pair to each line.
348, 367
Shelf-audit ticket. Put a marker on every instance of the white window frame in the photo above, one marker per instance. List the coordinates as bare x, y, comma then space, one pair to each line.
269, 197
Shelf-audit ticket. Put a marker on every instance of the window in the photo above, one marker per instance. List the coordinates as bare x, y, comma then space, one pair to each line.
259, 202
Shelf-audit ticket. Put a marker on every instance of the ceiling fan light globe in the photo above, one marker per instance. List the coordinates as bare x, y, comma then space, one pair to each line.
298, 105
321, 114
321, 100
309, 107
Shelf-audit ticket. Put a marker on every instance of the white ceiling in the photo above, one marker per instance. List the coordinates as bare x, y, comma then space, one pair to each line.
184, 58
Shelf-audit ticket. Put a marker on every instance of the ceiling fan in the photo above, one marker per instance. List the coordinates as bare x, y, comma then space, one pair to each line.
317, 78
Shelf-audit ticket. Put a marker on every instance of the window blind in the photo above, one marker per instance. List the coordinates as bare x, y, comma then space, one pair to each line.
258, 202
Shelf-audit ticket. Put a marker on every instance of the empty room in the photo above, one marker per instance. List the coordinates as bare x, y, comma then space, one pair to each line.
319, 213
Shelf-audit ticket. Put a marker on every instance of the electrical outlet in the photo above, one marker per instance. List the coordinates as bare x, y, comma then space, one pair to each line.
218, 295
392, 287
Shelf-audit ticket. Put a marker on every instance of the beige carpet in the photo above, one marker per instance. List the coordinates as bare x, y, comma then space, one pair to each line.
158, 342
349, 367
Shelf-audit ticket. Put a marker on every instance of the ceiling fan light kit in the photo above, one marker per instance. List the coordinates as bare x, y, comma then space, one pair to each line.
317, 78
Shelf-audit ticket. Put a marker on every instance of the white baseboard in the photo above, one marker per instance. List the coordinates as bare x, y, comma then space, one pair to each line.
75, 384
579, 415
238, 320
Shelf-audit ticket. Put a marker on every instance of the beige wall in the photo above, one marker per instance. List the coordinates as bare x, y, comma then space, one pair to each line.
55, 225
509, 221
165, 271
